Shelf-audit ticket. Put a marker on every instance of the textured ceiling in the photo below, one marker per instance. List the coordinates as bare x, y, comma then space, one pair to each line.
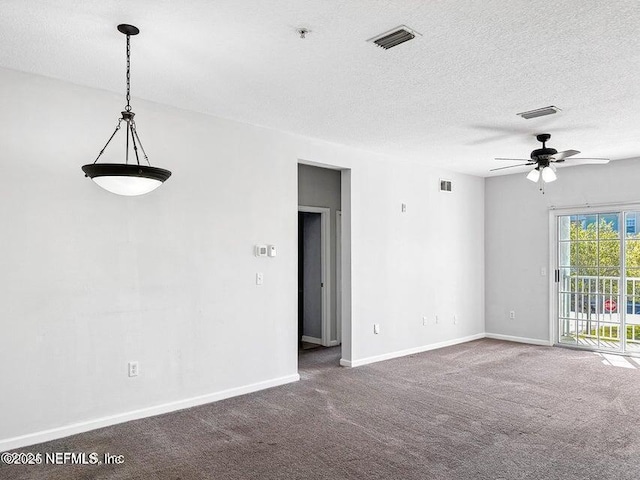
448, 98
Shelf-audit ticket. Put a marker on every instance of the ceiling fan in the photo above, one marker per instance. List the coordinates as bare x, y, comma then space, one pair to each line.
546, 159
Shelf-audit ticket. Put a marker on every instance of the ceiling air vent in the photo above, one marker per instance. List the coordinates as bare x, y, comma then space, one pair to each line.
445, 185
540, 112
394, 37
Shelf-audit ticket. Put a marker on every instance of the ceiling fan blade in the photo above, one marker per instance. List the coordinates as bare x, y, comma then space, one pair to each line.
585, 161
512, 166
515, 159
565, 154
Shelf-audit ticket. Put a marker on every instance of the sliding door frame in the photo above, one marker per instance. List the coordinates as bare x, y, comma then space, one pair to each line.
554, 265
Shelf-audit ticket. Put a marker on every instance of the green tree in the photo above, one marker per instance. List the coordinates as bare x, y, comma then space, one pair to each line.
595, 251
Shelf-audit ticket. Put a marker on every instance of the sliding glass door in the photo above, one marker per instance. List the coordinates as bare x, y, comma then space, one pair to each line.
598, 280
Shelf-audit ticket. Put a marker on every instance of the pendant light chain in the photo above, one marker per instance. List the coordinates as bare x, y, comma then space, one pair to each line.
128, 107
126, 152
109, 141
133, 140
135, 133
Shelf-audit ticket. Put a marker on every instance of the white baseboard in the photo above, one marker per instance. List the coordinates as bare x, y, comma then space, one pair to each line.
317, 341
510, 338
64, 431
410, 351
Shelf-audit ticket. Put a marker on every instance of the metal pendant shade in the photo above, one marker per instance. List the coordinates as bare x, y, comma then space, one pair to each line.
129, 179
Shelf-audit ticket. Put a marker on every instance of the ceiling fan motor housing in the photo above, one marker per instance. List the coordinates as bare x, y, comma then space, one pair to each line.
543, 153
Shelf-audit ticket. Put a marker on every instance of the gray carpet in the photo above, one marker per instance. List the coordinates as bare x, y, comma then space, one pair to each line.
481, 410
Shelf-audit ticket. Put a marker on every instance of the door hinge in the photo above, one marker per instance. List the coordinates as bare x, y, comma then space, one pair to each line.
557, 275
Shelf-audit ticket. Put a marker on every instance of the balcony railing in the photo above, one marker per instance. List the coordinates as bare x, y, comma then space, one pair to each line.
590, 308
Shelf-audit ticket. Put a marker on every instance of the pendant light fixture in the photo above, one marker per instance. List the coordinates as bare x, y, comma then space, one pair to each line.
128, 179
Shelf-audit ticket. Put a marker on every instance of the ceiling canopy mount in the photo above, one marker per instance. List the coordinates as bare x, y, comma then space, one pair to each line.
128, 29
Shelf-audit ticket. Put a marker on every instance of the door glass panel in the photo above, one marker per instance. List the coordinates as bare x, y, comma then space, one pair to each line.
564, 228
633, 281
564, 254
609, 286
589, 287
605, 308
609, 253
583, 227
632, 253
609, 336
632, 225
584, 253
567, 305
608, 272
587, 333
608, 226
633, 323
568, 331
633, 310
633, 337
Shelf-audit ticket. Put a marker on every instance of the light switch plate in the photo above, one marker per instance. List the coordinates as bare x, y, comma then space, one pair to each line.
133, 369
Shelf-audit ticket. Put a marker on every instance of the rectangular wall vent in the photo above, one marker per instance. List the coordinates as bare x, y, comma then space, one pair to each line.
540, 112
445, 185
394, 37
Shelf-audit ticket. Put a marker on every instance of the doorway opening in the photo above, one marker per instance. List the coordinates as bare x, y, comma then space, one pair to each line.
321, 286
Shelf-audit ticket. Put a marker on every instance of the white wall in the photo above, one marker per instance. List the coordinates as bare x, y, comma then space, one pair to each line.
517, 238
425, 262
91, 281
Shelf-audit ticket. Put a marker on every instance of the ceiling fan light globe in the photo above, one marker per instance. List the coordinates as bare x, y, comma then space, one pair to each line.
534, 175
548, 175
